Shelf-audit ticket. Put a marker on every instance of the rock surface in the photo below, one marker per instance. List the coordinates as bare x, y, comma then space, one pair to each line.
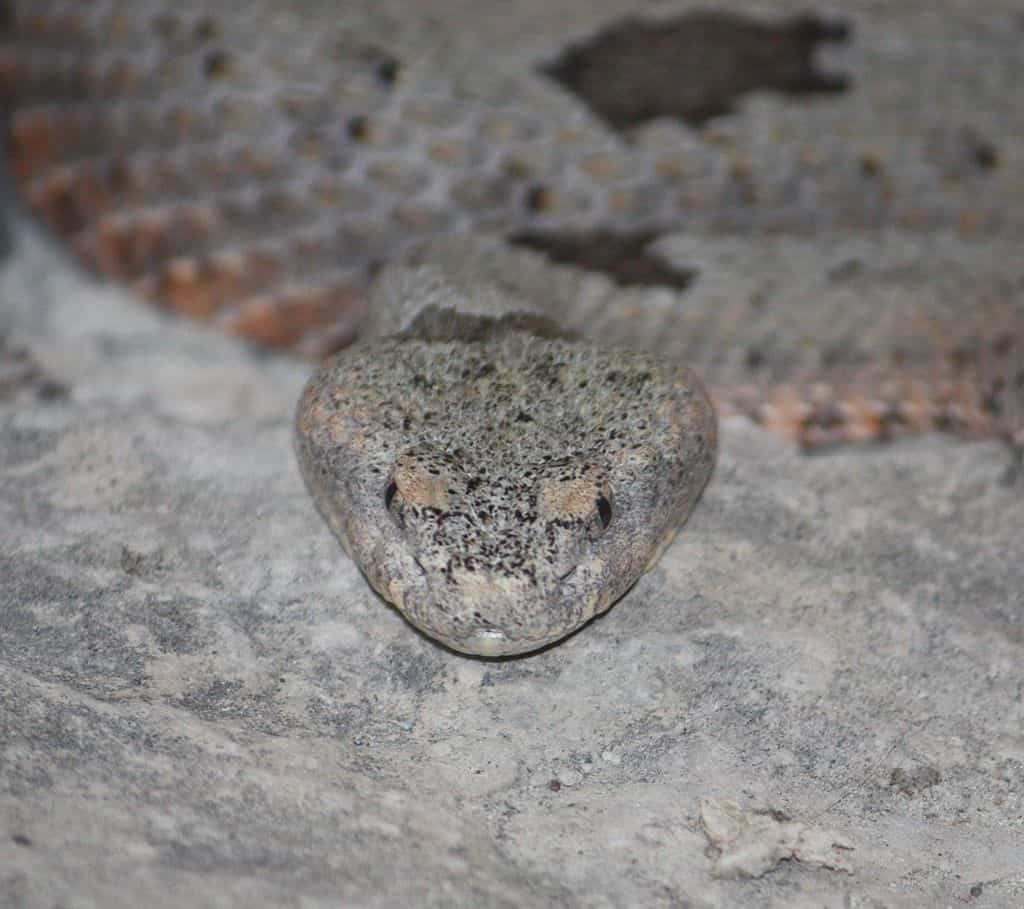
205, 704
815, 699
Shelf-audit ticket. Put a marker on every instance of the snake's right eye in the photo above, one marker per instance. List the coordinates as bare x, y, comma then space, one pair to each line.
389, 493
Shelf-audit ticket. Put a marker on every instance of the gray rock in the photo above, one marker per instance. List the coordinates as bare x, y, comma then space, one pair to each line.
204, 703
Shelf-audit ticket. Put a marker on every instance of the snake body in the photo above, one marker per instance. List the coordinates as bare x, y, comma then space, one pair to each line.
500, 479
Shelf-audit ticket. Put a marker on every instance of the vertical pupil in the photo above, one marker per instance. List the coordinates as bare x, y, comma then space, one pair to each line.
604, 511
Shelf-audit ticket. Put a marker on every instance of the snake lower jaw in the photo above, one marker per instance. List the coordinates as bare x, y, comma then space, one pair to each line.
492, 643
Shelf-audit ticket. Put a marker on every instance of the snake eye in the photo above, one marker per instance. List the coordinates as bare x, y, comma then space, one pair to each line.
389, 493
604, 511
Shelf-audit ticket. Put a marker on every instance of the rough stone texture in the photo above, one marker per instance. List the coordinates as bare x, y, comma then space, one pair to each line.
202, 702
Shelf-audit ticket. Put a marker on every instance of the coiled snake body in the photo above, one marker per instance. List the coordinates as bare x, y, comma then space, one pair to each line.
496, 477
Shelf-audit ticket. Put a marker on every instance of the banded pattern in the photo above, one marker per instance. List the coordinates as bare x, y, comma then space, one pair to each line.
255, 163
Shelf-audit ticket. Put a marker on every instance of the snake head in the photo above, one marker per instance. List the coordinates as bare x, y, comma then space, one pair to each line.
502, 492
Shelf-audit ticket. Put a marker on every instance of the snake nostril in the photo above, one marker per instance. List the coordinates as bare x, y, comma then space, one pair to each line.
568, 574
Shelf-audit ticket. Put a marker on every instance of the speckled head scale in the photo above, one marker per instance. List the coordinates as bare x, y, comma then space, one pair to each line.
502, 488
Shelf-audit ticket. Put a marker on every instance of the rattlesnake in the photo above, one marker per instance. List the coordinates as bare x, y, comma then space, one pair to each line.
498, 481
498, 478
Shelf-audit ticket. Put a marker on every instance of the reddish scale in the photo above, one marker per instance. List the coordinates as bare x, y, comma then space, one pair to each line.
83, 79
170, 190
